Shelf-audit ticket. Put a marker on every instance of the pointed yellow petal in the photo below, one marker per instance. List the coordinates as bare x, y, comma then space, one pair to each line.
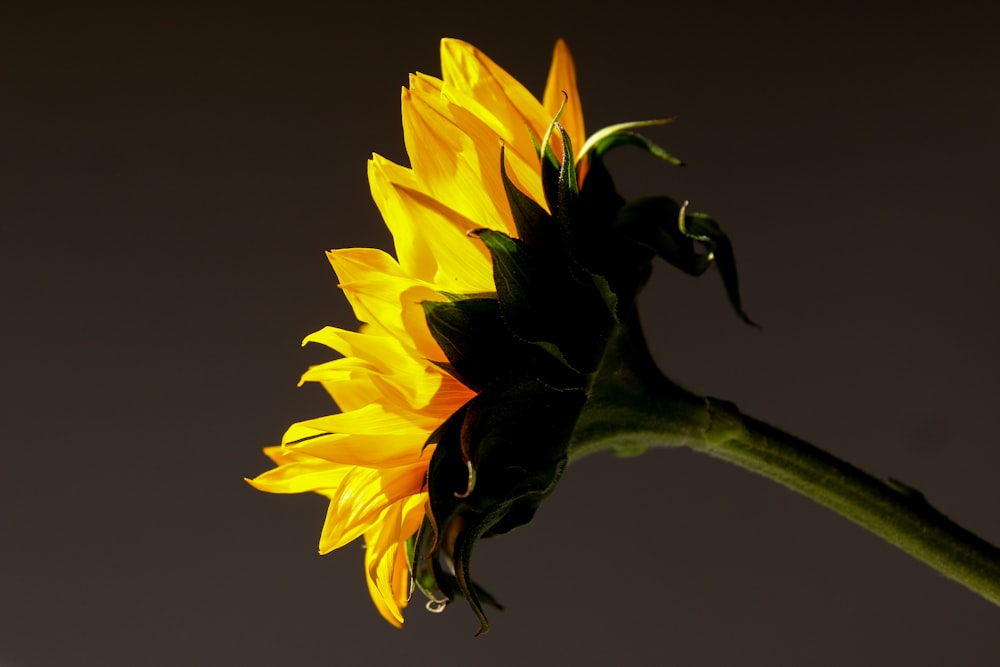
457, 162
372, 418
362, 495
478, 84
381, 547
392, 614
386, 563
349, 382
415, 257
433, 234
370, 451
383, 352
562, 79
375, 365
300, 476
425, 84
382, 294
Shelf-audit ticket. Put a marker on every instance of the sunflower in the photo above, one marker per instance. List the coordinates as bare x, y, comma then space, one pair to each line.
371, 460
502, 341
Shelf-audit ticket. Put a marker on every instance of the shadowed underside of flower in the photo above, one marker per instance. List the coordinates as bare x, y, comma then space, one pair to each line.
371, 460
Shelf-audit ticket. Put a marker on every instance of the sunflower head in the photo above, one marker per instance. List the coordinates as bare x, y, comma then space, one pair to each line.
490, 334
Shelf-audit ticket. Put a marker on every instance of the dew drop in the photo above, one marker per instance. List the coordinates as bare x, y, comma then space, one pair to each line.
436, 606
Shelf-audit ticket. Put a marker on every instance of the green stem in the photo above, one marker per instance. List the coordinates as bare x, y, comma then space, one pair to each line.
896, 513
633, 406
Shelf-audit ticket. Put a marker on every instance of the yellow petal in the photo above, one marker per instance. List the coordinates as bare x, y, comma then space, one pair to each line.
386, 564
372, 418
383, 352
434, 235
349, 382
382, 294
381, 546
478, 84
562, 79
450, 396
362, 495
300, 474
376, 451
425, 84
375, 365
457, 162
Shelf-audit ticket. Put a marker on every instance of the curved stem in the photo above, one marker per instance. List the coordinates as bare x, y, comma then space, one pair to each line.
632, 406
893, 511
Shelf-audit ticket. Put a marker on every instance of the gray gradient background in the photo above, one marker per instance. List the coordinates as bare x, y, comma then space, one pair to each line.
169, 180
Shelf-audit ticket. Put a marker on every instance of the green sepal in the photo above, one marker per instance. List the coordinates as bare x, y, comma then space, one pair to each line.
620, 266
464, 543
519, 432
584, 241
550, 183
705, 229
600, 200
559, 179
480, 349
674, 235
621, 134
542, 301
546, 143
459, 328
498, 519
550, 236
453, 296
516, 437
549, 156
419, 553
439, 586
569, 185
533, 223
653, 222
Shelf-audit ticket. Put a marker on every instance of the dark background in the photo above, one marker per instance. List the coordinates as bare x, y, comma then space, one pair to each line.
170, 178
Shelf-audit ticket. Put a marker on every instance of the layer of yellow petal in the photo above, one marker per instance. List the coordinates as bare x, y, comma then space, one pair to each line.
370, 459
385, 556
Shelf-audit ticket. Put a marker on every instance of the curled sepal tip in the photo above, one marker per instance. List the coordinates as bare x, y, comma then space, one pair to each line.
705, 229
692, 242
